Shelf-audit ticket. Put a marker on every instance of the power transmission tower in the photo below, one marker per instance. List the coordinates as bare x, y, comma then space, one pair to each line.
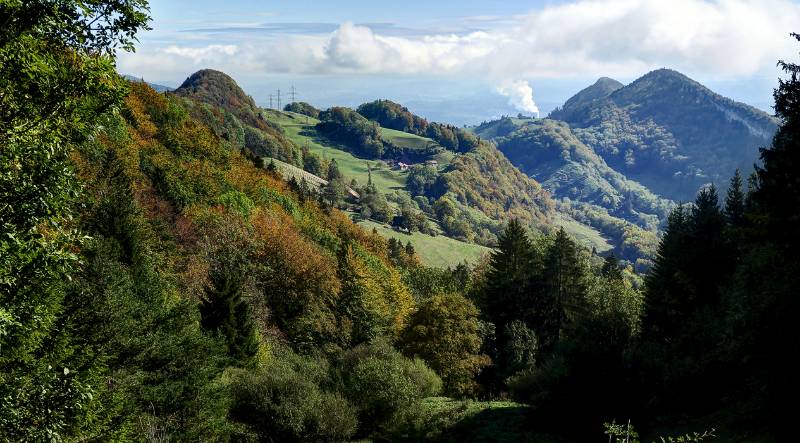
293, 94
279, 99
270, 101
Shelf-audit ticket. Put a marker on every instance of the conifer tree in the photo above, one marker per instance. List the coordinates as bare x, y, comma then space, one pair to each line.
226, 314
709, 258
509, 274
565, 288
611, 269
735, 201
333, 171
666, 280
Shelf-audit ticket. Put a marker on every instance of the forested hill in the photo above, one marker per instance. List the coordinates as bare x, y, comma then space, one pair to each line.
586, 187
668, 132
600, 89
217, 100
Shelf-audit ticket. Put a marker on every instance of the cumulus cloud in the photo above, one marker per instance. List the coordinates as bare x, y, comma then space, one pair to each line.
725, 38
520, 95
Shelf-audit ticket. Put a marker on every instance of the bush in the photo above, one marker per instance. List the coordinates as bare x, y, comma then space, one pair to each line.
285, 401
384, 385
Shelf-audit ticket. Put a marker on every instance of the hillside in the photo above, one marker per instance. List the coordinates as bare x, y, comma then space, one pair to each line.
668, 132
220, 103
483, 188
549, 151
468, 196
588, 189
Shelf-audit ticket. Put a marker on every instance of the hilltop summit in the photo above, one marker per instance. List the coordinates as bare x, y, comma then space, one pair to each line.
668, 131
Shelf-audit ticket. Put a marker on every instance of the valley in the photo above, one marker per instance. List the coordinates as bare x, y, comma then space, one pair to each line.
188, 264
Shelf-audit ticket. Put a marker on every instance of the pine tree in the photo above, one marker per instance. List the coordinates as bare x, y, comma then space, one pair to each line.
735, 201
509, 274
226, 314
333, 171
565, 289
611, 269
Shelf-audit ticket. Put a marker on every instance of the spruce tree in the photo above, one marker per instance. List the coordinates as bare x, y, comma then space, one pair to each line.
225, 314
709, 260
333, 171
735, 201
666, 281
771, 273
509, 275
611, 269
565, 289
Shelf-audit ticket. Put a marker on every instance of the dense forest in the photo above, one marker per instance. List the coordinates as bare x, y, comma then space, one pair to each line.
159, 282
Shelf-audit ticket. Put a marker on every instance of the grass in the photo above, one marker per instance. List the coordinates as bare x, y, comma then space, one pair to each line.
584, 234
405, 140
449, 420
439, 251
300, 130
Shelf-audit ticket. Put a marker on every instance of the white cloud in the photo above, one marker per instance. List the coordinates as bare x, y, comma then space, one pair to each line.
201, 55
624, 38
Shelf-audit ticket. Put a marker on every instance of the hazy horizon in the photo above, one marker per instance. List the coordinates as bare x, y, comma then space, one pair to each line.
465, 64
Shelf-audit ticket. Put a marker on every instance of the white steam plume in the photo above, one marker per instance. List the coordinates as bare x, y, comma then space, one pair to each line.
520, 95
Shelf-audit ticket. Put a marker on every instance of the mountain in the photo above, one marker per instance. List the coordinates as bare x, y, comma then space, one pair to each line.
469, 193
217, 100
668, 131
586, 188
549, 151
602, 88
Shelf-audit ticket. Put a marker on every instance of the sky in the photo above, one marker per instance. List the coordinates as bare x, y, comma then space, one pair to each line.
464, 62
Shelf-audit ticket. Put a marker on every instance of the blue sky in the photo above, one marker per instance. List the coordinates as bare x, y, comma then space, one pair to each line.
464, 61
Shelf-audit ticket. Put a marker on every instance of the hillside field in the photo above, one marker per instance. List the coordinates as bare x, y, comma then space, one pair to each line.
439, 251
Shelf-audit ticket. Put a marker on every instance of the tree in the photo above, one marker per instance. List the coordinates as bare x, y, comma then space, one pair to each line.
521, 347
565, 289
311, 162
223, 311
385, 386
334, 192
770, 299
735, 204
333, 172
420, 179
667, 280
509, 276
57, 79
611, 269
444, 332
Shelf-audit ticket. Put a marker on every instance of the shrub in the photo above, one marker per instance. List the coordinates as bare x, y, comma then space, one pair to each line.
385, 385
284, 401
